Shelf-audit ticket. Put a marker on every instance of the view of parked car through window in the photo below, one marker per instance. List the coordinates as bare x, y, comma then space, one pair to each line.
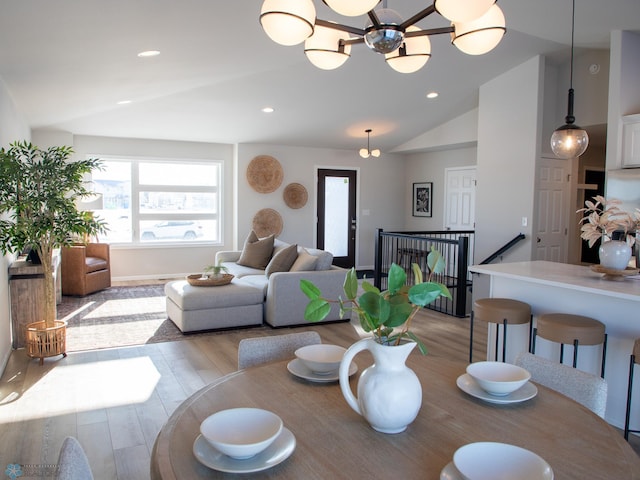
172, 229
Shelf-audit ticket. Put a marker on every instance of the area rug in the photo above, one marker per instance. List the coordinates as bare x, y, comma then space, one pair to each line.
117, 317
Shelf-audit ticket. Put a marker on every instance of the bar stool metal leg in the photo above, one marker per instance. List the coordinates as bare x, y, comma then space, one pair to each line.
604, 353
628, 414
471, 339
504, 339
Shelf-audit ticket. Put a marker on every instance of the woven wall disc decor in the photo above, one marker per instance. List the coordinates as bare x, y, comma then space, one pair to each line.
266, 222
264, 174
295, 195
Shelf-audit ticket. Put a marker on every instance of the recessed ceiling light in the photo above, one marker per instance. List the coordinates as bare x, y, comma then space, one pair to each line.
268, 110
149, 53
432, 94
124, 102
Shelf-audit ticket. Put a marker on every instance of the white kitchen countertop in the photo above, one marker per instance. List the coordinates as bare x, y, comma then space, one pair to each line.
575, 277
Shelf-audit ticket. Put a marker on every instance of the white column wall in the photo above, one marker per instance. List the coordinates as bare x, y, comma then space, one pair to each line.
509, 126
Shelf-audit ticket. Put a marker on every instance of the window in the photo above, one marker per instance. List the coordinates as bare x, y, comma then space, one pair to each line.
157, 201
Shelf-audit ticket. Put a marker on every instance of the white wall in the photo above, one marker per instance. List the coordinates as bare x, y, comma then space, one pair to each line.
509, 130
13, 127
381, 193
430, 167
459, 132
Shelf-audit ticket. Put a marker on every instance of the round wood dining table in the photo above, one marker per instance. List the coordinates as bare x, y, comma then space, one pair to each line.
333, 441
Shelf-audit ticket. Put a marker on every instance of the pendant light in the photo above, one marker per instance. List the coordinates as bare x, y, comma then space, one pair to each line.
367, 152
570, 140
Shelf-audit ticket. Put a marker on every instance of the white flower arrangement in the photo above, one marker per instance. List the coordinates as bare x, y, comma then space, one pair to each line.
603, 217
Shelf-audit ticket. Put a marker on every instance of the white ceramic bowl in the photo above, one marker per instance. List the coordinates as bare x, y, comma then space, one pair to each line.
321, 359
241, 432
491, 461
498, 378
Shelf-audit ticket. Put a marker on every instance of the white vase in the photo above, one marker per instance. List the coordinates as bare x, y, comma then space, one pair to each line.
389, 392
615, 254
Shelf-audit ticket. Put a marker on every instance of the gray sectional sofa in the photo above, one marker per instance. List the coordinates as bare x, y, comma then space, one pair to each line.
265, 289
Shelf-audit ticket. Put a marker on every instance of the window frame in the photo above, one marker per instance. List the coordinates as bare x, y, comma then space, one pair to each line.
134, 162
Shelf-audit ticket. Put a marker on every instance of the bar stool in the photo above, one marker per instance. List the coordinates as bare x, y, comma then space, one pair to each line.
635, 358
501, 311
565, 328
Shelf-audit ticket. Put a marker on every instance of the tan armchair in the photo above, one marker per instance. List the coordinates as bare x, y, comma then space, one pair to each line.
85, 268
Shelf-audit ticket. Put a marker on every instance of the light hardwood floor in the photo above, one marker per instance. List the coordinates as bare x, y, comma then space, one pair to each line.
116, 400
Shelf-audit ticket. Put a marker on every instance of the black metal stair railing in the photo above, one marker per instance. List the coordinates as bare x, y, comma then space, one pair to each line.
405, 248
503, 249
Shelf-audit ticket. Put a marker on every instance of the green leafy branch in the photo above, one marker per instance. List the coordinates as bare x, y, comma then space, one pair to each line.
381, 312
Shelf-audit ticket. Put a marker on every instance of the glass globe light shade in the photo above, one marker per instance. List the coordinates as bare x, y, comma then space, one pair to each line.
412, 55
569, 141
480, 36
323, 48
288, 22
462, 10
375, 152
364, 152
388, 36
351, 8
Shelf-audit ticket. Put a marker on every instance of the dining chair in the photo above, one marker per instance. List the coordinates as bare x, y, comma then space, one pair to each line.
585, 388
258, 350
72, 462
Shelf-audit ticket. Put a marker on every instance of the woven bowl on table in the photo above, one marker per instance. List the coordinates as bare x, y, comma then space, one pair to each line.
197, 280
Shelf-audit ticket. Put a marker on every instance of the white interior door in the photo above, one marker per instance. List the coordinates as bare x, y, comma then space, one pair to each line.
553, 210
460, 198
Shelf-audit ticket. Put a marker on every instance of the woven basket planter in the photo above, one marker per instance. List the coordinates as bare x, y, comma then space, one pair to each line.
44, 342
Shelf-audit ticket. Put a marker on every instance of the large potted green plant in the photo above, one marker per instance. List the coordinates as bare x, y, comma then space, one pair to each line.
38, 191
389, 392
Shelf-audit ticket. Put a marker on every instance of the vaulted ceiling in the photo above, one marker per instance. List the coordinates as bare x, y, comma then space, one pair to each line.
67, 64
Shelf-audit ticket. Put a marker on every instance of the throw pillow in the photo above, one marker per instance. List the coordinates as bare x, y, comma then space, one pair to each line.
304, 263
282, 260
256, 252
324, 260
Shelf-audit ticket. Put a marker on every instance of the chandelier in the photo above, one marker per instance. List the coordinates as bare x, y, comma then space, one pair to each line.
367, 152
476, 27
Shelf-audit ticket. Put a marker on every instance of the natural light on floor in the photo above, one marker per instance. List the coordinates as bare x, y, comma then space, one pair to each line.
128, 306
87, 387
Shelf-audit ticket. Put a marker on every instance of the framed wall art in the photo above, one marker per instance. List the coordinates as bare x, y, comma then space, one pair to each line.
422, 199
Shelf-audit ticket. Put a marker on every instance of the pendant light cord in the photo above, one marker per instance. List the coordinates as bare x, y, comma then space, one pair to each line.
573, 22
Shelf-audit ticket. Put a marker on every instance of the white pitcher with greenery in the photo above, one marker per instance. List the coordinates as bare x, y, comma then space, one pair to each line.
389, 394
